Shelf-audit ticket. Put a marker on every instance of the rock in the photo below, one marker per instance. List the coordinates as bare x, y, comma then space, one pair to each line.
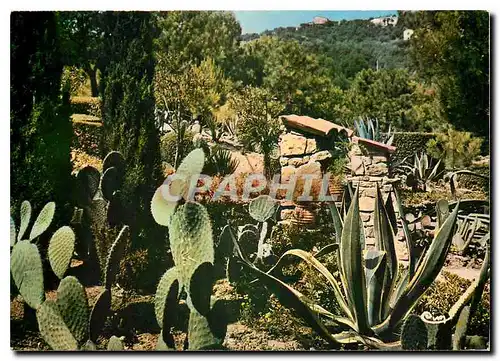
366, 204
313, 168
377, 169
296, 162
369, 241
366, 160
369, 232
311, 146
283, 161
378, 159
365, 217
320, 156
368, 192
357, 166
292, 144
286, 173
286, 214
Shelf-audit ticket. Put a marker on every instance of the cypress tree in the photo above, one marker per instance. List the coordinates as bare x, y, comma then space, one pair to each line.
128, 115
40, 126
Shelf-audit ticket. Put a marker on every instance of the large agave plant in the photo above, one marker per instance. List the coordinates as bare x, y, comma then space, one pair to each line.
369, 129
374, 295
422, 172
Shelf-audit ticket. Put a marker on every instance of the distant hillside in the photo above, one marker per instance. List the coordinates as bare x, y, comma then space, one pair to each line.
350, 45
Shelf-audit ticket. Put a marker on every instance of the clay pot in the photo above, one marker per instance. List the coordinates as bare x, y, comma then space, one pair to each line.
304, 214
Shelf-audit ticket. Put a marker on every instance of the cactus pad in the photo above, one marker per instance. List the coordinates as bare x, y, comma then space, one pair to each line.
110, 182
167, 294
27, 272
115, 255
53, 329
191, 240
25, 219
162, 345
115, 344
99, 314
73, 307
87, 184
116, 210
161, 209
114, 159
262, 208
98, 210
43, 220
12, 232
200, 287
200, 336
414, 334
61, 248
88, 346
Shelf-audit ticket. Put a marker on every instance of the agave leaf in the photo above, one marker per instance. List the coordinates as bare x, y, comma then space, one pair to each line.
351, 264
12, 233
25, 219
313, 262
427, 271
400, 287
407, 234
483, 278
337, 221
327, 250
391, 213
442, 211
375, 269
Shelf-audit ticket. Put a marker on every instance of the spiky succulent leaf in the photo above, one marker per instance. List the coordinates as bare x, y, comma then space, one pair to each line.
87, 185
167, 294
375, 269
89, 346
25, 219
351, 264
114, 159
191, 242
200, 287
99, 314
27, 272
43, 220
414, 334
115, 344
12, 233
73, 307
61, 248
115, 255
461, 329
53, 328
110, 182
442, 211
262, 208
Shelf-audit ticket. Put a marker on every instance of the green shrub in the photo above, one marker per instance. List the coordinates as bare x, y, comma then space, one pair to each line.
86, 105
443, 294
471, 182
168, 146
74, 79
87, 136
409, 143
457, 149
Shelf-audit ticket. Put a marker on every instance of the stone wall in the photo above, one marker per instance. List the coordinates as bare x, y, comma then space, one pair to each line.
369, 167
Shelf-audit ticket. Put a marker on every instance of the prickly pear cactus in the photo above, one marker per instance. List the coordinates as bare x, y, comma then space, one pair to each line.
115, 344
110, 182
191, 240
262, 208
200, 287
25, 219
61, 248
27, 272
99, 314
43, 220
206, 333
115, 255
87, 185
53, 328
414, 334
167, 294
73, 307
114, 159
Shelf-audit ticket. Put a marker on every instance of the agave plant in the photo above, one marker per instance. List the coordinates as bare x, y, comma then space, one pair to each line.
369, 129
374, 295
422, 172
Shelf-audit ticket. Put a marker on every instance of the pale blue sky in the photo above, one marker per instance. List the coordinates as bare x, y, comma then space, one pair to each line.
258, 21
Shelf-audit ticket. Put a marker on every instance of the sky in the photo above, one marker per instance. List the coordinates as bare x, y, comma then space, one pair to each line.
258, 21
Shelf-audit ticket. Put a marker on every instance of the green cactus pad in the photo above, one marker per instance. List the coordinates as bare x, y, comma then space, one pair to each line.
110, 182
167, 294
200, 336
161, 345
115, 255
190, 239
217, 319
12, 232
61, 248
99, 314
73, 307
87, 185
200, 287
233, 269
161, 209
262, 208
25, 219
414, 334
114, 159
116, 210
43, 220
88, 346
115, 344
27, 272
98, 213
53, 328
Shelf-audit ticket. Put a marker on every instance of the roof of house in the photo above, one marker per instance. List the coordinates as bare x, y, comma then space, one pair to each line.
374, 144
314, 126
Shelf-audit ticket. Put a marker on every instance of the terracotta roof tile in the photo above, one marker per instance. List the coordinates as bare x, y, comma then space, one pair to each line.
311, 125
373, 143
